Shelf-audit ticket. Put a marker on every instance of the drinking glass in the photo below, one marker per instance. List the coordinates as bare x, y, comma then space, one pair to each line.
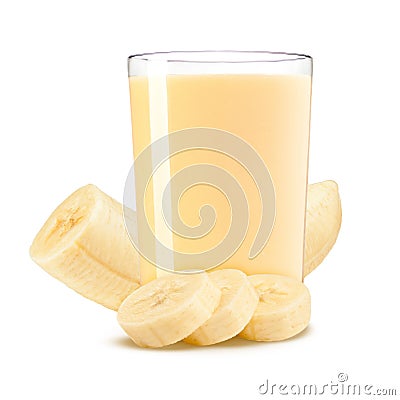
220, 142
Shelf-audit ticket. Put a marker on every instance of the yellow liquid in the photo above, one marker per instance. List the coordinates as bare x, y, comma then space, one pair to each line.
269, 112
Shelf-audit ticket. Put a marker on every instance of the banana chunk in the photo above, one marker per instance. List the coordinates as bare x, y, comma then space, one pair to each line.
168, 309
283, 310
239, 300
323, 220
84, 244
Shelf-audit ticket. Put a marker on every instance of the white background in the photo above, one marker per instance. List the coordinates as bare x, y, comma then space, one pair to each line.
65, 122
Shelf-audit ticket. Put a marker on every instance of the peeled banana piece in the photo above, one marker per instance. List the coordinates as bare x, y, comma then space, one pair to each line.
168, 309
323, 220
283, 311
84, 244
239, 300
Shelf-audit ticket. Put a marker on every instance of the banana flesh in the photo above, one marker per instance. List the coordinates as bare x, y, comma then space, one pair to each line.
283, 311
168, 309
239, 300
323, 221
84, 244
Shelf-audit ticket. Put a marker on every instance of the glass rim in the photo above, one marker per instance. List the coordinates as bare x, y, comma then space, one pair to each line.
259, 56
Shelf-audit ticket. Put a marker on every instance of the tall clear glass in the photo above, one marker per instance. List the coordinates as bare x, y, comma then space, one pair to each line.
220, 142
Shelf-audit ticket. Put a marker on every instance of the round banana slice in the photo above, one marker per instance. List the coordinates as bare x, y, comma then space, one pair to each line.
84, 244
283, 310
168, 309
238, 302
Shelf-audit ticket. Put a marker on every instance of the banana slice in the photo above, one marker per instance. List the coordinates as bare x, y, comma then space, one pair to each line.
84, 244
283, 310
323, 220
168, 309
238, 302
